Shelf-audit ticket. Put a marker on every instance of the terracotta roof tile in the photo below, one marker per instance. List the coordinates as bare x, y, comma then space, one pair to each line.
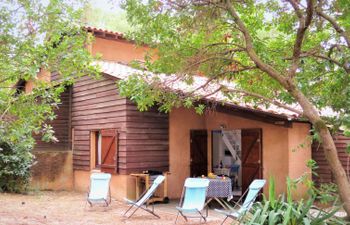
175, 83
104, 32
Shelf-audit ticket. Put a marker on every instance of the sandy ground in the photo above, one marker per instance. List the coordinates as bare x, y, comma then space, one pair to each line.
69, 208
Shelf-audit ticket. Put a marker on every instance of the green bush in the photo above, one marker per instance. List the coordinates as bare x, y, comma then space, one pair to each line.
327, 193
285, 211
15, 163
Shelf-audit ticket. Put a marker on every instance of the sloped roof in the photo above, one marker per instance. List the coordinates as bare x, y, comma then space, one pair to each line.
174, 83
105, 33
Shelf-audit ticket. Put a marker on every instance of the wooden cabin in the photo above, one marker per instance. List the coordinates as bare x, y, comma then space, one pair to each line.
323, 172
99, 130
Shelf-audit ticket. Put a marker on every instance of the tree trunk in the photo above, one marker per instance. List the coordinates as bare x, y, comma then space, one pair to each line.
329, 148
338, 170
309, 110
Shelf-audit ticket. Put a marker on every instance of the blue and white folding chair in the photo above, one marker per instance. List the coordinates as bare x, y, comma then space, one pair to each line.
193, 198
238, 214
99, 191
144, 198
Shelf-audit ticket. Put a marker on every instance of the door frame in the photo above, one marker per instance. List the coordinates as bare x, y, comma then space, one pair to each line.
261, 172
206, 152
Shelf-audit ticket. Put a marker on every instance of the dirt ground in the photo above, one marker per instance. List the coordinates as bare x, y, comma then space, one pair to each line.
69, 208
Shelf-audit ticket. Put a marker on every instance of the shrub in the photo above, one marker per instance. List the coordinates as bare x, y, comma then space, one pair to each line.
327, 193
15, 163
281, 210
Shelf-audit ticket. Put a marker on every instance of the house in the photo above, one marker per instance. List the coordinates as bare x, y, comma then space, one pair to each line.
100, 130
324, 174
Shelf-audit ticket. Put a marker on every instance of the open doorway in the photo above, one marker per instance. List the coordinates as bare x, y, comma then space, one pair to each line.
227, 155
237, 154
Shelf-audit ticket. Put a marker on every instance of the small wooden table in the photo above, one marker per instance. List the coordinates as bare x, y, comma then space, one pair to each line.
146, 177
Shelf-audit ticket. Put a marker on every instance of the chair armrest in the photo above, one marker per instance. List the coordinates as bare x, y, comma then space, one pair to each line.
129, 201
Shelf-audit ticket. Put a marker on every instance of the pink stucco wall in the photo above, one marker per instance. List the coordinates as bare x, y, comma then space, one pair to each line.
279, 160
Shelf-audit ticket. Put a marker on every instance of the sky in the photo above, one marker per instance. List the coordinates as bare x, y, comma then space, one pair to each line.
107, 14
106, 5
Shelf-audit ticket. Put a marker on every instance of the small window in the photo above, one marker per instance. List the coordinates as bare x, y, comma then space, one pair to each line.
104, 155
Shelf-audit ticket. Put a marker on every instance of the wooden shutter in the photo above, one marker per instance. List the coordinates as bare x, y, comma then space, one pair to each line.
199, 153
251, 156
109, 153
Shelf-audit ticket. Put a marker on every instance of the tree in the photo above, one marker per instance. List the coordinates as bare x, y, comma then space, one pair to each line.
35, 36
294, 54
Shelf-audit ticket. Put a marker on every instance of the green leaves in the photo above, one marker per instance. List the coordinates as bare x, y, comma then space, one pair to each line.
15, 162
138, 91
276, 210
44, 37
150, 93
36, 38
263, 48
203, 39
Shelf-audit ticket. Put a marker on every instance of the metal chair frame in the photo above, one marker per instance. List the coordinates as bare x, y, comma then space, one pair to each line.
200, 212
107, 201
242, 215
139, 205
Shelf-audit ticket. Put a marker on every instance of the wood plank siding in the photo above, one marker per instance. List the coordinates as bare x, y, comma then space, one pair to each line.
142, 136
60, 125
147, 140
324, 173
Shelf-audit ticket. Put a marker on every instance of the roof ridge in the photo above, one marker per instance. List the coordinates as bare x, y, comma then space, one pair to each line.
105, 32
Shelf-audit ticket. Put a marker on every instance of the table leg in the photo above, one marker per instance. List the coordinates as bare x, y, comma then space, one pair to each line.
218, 200
165, 189
147, 186
207, 202
137, 188
147, 182
221, 203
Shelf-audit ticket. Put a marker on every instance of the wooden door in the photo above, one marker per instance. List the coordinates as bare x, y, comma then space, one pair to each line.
251, 156
199, 153
109, 151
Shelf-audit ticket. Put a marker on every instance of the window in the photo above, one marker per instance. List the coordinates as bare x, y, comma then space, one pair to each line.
104, 145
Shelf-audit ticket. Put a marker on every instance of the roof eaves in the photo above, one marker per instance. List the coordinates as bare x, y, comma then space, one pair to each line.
103, 33
122, 71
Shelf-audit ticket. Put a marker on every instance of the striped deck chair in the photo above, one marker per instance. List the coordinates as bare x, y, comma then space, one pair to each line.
99, 191
144, 198
250, 195
193, 198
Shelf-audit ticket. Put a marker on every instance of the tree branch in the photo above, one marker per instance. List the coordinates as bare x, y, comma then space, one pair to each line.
272, 101
223, 88
218, 75
212, 93
315, 54
304, 23
308, 108
344, 66
249, 46
188, 67
335, 25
